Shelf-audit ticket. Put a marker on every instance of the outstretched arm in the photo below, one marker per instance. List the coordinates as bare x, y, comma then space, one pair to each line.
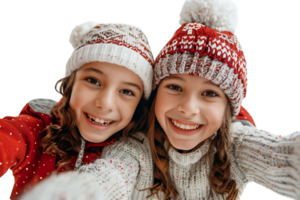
123, 171
269, 160
67, 186
19, 136
101, 180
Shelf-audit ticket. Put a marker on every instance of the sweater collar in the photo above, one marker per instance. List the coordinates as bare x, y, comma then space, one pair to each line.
85, 145
186, 159
88, 144
101, 144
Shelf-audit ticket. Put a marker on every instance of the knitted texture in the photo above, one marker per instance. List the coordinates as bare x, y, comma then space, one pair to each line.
199, 50
255, 156
61, 187
219, 15
126, 167
80, 155
205, 46
137, 148
119, 44
116, 176
269, 160
124, 170
42, 105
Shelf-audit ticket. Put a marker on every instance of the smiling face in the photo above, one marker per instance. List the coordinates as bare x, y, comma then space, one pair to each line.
189, 109
104, 98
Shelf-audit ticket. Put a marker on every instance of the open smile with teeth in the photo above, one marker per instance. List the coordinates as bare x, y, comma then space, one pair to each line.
185, 126
98, 121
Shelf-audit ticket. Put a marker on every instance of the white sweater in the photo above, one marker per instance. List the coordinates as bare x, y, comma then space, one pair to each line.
126, 167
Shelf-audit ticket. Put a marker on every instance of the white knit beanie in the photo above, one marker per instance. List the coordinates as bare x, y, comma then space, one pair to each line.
119, 44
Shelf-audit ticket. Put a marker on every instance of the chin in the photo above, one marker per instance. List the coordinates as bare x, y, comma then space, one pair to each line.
184, 148
95, 139
183, 145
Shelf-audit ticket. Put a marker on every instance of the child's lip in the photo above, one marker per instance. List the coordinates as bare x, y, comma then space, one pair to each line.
185, 121
182, 131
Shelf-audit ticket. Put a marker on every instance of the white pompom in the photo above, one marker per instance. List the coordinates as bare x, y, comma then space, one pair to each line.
220, 15
80, 31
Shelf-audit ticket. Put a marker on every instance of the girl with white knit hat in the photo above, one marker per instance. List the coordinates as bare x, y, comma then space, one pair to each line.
108, 79
203, 143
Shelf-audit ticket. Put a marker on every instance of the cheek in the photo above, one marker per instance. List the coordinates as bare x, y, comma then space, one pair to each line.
127, 109
79, 97
161, 106
215, 115
74, 103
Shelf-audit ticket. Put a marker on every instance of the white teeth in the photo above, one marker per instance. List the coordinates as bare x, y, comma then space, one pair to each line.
98, 121
185, 126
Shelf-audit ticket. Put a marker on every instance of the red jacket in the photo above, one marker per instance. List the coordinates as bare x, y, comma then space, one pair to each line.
20, 150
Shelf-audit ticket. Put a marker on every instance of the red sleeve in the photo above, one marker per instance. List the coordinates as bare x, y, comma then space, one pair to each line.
245, 114
19, 139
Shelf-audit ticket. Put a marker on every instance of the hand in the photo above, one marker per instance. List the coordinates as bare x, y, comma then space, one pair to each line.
66, 186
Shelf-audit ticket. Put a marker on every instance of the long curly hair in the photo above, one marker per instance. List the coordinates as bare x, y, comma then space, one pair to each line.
220, 179
64, 139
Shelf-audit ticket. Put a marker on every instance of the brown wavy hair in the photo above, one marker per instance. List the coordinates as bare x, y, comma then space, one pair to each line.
63, 139
220, 179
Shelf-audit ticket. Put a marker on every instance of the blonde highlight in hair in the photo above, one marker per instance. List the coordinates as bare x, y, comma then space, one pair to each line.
220, 175
63, 139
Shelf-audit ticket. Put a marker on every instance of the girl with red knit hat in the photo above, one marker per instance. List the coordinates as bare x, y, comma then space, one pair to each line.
108, 78
203, 143
200, 149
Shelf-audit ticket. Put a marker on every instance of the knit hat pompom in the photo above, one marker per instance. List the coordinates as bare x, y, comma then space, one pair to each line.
216, 14
79, 31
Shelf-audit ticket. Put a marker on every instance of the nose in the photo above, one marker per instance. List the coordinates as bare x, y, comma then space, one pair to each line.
189, 105
106, 100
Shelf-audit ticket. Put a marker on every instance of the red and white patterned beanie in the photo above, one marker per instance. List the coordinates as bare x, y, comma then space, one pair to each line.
205, 46
119, 44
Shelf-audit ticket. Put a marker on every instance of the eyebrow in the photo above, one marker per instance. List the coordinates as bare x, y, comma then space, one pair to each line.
181, 79
94, 70
175, 77
210, 83
100, 72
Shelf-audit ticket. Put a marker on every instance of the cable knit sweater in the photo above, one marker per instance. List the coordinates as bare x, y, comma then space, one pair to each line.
126, 168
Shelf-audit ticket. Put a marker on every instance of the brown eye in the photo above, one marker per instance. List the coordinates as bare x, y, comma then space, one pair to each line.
127, 92
93, 81
174, 87
210, 94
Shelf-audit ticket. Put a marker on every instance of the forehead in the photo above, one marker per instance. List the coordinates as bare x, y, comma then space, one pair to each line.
99, 65
111, 73
187, 78
108, 70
